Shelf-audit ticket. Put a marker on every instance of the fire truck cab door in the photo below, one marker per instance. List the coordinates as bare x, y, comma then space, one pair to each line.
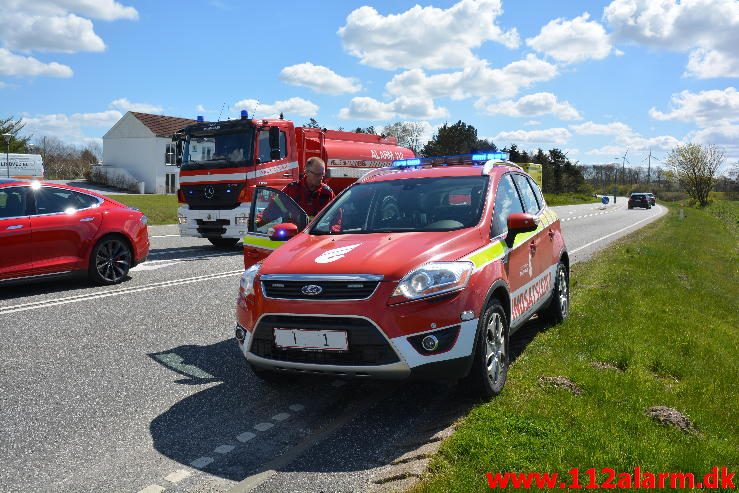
269, 208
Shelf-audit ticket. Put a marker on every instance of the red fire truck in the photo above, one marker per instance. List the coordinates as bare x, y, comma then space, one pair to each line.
222, 162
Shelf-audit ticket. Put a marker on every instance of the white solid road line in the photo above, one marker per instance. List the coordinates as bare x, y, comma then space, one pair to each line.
617, 232
162, 236
113, 292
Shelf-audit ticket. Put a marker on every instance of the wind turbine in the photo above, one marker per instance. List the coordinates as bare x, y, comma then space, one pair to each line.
623, 166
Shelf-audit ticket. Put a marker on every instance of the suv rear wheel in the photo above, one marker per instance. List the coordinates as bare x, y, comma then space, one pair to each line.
490, 365
559, 307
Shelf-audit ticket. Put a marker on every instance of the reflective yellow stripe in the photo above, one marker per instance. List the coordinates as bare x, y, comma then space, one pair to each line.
487, 254
264, 243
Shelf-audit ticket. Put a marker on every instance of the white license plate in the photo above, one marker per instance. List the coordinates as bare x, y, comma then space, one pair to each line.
312, 340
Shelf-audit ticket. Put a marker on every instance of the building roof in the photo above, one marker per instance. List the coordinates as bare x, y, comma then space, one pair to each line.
161, 125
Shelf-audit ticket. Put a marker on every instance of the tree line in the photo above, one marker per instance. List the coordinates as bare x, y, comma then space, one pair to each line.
62, 161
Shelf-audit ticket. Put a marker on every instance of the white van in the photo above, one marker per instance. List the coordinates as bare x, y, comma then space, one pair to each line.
21, 166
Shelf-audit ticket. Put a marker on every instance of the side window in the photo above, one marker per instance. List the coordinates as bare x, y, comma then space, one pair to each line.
55, 200
12, 202
264, 146
271, 207
507, 202
283, 145
527, 194
537, 192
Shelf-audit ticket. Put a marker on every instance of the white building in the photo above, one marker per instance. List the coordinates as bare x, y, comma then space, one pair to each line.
138, 149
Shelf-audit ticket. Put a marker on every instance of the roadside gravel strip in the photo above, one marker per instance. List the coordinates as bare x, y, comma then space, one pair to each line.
141, 387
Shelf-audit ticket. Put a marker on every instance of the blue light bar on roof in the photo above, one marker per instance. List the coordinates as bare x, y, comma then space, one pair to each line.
401, 163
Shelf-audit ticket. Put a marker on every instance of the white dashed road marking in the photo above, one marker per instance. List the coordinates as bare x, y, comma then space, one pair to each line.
297, 407
153, 488
178, 476
263, 426
224, 449
201, 462
280, 417
245, 437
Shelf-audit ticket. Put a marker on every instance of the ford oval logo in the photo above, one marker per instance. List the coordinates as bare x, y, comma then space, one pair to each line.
209, 192
311, 290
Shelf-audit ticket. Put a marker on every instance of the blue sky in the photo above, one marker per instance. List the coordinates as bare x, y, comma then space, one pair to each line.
592, 78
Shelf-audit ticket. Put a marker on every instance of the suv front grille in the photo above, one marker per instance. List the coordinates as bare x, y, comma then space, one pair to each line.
329, 290
367, 346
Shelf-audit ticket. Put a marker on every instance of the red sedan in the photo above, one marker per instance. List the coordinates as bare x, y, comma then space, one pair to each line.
49, 229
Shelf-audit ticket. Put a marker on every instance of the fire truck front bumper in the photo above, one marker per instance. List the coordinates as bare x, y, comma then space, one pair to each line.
230, 223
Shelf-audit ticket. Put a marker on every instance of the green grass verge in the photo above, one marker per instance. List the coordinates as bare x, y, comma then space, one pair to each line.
663, 305
160, 209
569, 198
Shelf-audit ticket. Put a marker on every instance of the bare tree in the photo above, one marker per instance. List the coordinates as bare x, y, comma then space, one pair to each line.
408, 134
695, 167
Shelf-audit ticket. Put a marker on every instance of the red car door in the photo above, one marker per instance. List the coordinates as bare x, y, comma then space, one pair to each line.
269, 207
539, 281
15, 233
507, 202
63, 228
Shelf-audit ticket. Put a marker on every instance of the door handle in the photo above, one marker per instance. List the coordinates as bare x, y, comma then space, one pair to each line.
532, 245
287, 175
86, 219
17, 226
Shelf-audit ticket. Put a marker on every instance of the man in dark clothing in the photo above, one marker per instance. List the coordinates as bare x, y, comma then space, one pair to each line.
310, 193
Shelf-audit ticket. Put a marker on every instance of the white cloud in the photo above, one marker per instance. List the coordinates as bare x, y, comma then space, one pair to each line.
477, 79
52, 26
366, 108
532, 123
725, 136
557, 136
706, 108
572, 41
200, 109
591, 128
540, 103
319, 78
707, 29
22, 66
292, 106
124, 104
427, 37
67, 34
70, 128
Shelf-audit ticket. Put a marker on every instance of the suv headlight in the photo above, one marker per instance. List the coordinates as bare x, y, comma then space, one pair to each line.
434, 278
246, 285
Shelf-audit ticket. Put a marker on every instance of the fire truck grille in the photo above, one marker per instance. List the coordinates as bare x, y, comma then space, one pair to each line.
367, 347
212, 228
329, 290
216, 196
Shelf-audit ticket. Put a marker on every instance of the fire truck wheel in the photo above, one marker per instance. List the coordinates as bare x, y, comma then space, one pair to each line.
490, 365
224, 242
559, 307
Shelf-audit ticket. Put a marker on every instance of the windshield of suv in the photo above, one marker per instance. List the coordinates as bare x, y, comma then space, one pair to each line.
419, 204
221, 150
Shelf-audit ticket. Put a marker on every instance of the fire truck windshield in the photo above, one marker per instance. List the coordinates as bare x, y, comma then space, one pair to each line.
218, 150
408, 205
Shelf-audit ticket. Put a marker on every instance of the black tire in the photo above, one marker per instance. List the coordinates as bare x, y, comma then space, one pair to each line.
224, 242
491, 353
559, 307
110, 260
630, 207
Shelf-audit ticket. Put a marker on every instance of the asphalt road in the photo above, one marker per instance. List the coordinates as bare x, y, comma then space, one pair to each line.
141, 387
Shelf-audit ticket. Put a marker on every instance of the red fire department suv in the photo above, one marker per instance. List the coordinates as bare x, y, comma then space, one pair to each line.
421, 269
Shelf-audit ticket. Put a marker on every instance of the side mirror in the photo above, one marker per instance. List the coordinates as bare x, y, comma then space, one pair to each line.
520, 222
283, 232
274, 143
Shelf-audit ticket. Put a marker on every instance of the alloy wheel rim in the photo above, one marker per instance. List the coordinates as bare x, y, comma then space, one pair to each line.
564, 298
494, 348
112, 260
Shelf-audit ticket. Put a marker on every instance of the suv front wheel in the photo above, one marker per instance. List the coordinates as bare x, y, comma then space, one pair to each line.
490, 365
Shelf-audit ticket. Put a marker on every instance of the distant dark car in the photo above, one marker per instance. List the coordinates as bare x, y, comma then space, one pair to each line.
48, 229
652, 199
639, 200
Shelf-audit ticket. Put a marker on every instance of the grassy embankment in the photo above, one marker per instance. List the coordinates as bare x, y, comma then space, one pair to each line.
160, 209
661, 308
569, 198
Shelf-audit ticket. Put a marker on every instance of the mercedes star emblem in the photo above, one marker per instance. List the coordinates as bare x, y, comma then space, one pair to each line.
209, 192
